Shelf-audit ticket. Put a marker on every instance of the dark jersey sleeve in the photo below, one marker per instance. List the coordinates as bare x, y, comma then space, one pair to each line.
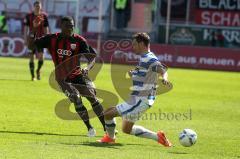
87, 50
26, 20
43, 42
45, 23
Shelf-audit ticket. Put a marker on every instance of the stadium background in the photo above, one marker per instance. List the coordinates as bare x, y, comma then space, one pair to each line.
187, 43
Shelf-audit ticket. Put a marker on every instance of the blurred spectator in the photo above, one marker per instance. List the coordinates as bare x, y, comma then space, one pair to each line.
122, 12
220, 39
213, 38
14, 26
3, 23
154, 9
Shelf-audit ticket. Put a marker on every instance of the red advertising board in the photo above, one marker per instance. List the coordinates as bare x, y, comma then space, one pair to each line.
12, 46
199, 57
172, 55
217, 17
181, 56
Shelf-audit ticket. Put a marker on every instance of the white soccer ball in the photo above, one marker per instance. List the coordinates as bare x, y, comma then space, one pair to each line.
187, 137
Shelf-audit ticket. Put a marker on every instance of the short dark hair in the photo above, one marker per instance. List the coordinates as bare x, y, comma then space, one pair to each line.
66, 19
36, 2
142, 37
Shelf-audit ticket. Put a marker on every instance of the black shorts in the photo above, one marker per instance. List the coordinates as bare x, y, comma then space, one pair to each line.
35, 50
80, 86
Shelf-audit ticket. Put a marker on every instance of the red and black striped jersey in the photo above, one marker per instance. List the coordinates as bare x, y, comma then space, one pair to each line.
28, 21
66, 53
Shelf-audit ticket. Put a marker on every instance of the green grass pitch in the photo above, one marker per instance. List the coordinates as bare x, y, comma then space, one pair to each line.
29, 127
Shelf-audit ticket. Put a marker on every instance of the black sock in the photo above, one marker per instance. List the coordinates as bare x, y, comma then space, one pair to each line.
31, 66
83, 113
98, 109
40, 63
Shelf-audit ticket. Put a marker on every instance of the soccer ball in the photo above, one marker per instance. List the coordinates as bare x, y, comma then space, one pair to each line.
187, 137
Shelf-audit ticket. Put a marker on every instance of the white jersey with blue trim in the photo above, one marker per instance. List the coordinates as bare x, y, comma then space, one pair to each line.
145, 78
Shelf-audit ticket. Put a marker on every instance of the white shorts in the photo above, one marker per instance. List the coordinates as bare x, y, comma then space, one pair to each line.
132, 110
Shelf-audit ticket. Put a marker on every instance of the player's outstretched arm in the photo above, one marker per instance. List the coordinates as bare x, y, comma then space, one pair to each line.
26, 30
165, 77
46, 30
46, 25
40, 43
30, 42
162, 70
90, 56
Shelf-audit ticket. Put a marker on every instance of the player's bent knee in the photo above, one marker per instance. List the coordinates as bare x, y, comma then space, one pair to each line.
127, 126
126, 130
40, 56
110, 113
92, 100
108, 116
74, 98
31, 57
79, 107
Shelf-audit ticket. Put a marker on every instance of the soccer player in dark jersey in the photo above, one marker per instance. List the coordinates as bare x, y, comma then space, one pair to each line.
38, 31
66, 48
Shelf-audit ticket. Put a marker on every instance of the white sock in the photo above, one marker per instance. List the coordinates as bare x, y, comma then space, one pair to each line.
140, 131
110, 127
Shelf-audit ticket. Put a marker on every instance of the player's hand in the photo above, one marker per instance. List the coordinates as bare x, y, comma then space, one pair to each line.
165, 82
85, 71
30, 41
37, 21
130, 73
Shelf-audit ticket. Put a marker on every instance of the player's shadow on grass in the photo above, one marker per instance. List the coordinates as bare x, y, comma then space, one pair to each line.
96, 144
38, 133
19, 80
180, 153
103, 145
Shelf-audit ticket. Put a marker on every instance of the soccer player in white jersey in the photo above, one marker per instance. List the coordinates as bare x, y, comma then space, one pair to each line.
145, 77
